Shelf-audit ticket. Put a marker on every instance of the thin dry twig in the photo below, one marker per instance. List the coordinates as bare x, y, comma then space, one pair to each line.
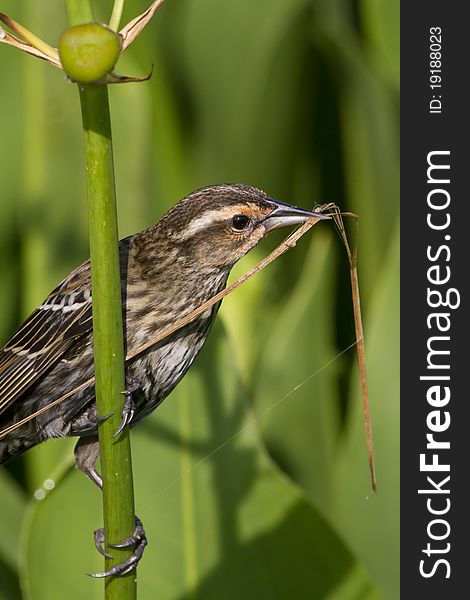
337, 216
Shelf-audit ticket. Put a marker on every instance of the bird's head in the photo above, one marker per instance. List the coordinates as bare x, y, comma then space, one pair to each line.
219, 224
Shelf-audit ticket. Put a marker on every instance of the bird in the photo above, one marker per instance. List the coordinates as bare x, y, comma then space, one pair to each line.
166, 271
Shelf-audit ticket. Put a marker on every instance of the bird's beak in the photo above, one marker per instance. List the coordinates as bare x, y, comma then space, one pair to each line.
284, 215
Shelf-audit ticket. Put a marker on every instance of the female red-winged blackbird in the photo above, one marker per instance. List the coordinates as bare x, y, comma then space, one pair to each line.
167, 271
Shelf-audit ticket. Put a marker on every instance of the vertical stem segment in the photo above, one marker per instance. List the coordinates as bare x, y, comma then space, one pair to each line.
118, 493
116, 465
116, 14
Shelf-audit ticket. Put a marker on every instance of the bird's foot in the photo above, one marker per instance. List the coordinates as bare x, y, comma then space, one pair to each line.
103, 419
128, 408
93, 416
138, 539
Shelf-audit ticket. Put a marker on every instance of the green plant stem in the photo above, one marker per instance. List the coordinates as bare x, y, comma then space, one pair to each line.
79, 11
118, 494
116, 14
116, 466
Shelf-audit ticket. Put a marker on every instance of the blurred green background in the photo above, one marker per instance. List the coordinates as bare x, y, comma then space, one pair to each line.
252, 478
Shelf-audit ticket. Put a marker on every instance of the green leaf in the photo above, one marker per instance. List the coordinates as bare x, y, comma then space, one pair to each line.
41, 462
57, 548
13, 506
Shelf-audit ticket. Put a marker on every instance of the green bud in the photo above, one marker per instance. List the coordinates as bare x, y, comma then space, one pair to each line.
89, 51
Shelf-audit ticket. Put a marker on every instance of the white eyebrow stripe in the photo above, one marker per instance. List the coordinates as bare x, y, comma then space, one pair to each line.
208, 218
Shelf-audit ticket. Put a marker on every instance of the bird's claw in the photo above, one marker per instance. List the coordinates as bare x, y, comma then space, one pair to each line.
137, 539
103, 419
134, 539
99, 540
128, 408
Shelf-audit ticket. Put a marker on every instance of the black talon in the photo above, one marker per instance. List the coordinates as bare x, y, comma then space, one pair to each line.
135, 538
138, 538
127, 414
99, 539
132, 385
102, 419
93, 417
126, 566
128, 408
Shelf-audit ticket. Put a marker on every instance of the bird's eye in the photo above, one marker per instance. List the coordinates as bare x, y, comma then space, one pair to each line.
239, 222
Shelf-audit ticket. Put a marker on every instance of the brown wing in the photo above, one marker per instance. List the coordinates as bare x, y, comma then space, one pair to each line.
50, 330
